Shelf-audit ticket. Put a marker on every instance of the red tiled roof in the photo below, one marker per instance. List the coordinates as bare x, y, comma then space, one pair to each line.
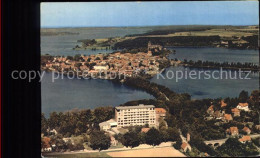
246, 129
228, 117
160, 110
245, 138
145, 130
184, 145
243, 104
211, 108
223, 104
233, 129
235, 110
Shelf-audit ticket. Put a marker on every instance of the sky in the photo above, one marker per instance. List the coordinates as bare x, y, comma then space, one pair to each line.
107, 14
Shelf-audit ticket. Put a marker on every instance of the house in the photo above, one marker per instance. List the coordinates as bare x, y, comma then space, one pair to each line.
99, 68
46, 146
245, 139
211, 110
257, 127
107, 125
247, 130
243, 106
236, 112
223, 104
233, 131
185, 146
145, 130
219, 115
228, 117
160, 112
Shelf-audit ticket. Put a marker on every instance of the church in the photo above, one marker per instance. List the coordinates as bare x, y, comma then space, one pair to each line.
151, 46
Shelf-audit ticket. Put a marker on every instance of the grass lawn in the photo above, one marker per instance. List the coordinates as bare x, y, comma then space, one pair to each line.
81, 155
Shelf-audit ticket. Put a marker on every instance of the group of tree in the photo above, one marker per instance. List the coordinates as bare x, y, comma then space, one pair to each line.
141, 42
233, 148
153, 137
87, 42
57, 143
76, 122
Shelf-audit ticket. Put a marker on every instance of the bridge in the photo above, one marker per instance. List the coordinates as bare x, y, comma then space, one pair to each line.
222, 141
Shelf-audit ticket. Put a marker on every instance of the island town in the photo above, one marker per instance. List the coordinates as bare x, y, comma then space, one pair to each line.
107, 66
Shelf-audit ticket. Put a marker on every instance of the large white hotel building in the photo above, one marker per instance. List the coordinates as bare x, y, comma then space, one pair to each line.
135, 115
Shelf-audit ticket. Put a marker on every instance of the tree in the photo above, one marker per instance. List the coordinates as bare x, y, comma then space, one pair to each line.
99, 140
243, 96
153, 137
173, 133
77, 57
131, 139
77, 65
232, 147
44, 124
69, 58
178, 144
255, 95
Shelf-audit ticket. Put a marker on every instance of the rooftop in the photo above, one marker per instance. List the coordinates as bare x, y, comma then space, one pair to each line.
140, 106
160, 110
243, 104
245, 138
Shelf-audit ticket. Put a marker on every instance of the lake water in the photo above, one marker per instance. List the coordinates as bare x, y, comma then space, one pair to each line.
207, 88
63, 44
216, 54
65, 94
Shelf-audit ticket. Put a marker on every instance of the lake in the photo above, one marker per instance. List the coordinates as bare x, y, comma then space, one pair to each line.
215, 54
63, 44
66, 94
208, 88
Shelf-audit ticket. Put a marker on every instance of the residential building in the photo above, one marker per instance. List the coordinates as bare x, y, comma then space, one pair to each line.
228, 117
211, 110
99, 68
247, 130
245, 139
135, 115
46, 144
236, 112
107, 125
223, 104
243, 106
219, 115
145, 130
257, 127
185, 146
160, 113
233, 131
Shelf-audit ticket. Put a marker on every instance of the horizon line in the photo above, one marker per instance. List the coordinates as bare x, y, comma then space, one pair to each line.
49, 27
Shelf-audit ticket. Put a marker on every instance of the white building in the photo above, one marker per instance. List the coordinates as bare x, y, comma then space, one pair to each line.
107, 125
243, 106
135, 115
99, 68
